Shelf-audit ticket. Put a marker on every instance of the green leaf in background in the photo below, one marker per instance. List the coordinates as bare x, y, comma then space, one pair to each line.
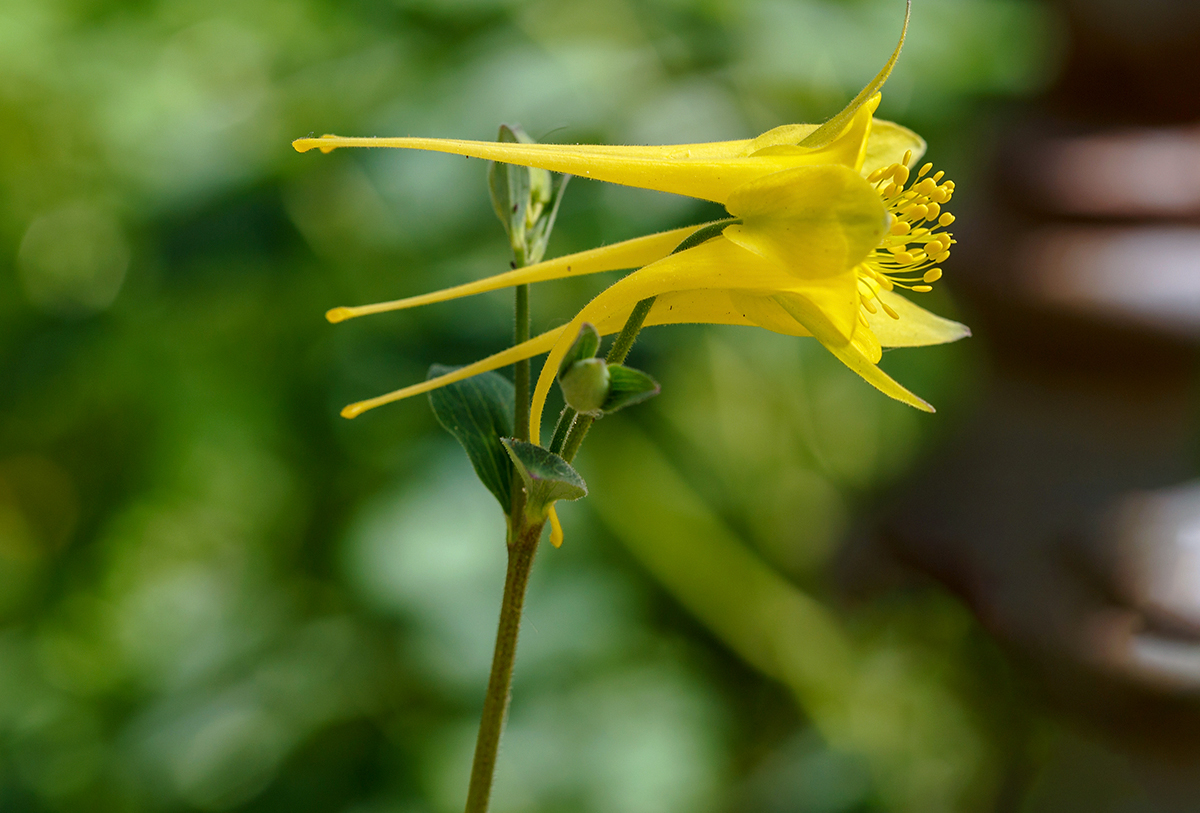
548, 478
627, 386
478, 411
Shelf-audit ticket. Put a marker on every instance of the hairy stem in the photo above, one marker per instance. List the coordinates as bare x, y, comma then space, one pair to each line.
566, 419
521, 368
521, 551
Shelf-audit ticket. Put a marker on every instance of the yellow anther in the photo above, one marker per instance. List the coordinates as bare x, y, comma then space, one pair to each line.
900, 174
869, 305
922, 289
877, 175
932, 275
901, 227
903, 258
924, 170
889, 311
907, 157
937, 178
917, 212
862, 320
932, 211
891, 190
926, 187
946, 219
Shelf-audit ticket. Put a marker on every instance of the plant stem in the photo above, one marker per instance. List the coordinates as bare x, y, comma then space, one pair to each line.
616, 355
521, 368
495, 703
628, 335
566, 419
521, 388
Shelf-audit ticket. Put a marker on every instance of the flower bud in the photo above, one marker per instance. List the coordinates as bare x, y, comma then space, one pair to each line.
585, 386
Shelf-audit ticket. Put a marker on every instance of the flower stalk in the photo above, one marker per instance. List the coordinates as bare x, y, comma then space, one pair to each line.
521, 550
521, 375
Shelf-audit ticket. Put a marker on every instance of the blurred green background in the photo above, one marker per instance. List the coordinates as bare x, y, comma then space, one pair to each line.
216, 594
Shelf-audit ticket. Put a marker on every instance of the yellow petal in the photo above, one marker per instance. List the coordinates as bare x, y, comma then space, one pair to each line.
847, 352
916, 326
867, 343
716, 264
848, 148
761, 311
783, 135
836, 297
830, 130
629, 254
710, 307
888, 144
817, 221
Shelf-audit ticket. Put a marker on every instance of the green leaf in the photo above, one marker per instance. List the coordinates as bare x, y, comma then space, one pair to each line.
478, 411
547, 477
627, 386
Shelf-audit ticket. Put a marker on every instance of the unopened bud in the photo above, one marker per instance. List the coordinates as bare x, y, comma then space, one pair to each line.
585, 385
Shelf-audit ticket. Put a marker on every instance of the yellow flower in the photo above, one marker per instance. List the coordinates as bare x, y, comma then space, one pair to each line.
829, 221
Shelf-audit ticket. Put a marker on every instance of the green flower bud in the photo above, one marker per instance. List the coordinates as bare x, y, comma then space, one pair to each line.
585, 385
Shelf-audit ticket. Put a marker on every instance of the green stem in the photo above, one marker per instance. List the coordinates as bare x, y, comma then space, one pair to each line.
616, 355
521, 368
521, 388
495, 703
628, 335
566, 419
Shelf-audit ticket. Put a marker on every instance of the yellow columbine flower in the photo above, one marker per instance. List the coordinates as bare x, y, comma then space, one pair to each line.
829, 221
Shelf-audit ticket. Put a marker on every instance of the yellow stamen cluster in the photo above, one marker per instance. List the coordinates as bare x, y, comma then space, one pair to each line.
908, 255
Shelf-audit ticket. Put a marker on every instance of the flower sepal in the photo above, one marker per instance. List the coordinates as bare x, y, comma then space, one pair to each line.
547, 478
626, 387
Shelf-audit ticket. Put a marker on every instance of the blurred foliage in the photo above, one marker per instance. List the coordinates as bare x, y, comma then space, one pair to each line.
215, 594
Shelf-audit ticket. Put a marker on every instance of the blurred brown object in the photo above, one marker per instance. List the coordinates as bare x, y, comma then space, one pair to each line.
1063, 510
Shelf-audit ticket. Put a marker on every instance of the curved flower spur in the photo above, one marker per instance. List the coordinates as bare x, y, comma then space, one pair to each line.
826, 223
